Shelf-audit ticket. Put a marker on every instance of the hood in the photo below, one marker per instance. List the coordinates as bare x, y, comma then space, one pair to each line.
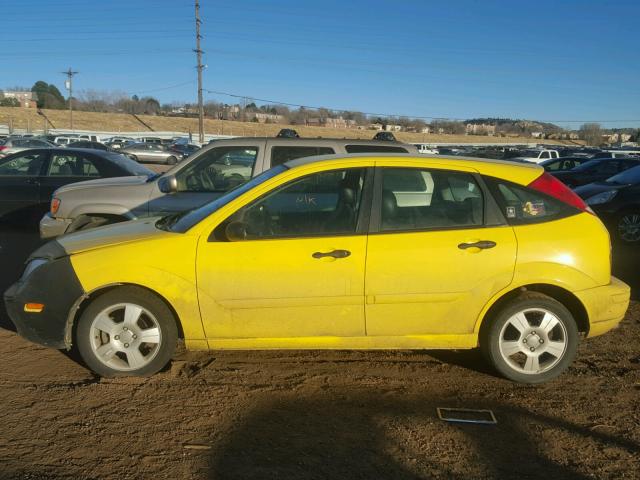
591, 189
107, 236
105, 182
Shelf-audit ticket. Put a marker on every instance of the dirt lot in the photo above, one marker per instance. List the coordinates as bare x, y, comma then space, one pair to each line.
336, 415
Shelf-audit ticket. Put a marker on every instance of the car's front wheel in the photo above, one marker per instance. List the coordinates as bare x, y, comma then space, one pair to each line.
532, 339
172, 160
126, 331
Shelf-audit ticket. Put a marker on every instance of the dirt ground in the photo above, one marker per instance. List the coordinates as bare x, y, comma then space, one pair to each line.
317, 415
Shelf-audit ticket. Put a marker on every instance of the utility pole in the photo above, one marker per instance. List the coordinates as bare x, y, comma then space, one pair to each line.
69, 86
199, 67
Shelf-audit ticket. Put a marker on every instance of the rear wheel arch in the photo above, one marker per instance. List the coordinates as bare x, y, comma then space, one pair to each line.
562, 295
83, 302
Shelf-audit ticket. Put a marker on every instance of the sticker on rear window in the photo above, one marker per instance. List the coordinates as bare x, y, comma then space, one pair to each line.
534, 208
511, 212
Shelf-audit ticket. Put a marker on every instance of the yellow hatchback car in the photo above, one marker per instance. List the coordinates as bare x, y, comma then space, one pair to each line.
355, 252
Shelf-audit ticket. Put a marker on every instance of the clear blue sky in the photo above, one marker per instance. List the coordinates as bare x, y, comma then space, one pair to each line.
543, 60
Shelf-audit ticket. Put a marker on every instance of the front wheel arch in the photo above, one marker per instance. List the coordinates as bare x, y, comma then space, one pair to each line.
83, 302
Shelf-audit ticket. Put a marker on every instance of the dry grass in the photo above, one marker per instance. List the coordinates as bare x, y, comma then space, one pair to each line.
22, 118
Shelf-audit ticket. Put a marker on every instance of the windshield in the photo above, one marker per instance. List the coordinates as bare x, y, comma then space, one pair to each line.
182, 222
134, 168
586, 165
628, 177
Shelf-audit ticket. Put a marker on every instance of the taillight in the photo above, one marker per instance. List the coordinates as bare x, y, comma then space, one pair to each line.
55, 205
3, 147
553, 187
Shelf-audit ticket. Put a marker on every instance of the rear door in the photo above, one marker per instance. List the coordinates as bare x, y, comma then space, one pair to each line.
20, 187
437, 252
67, 167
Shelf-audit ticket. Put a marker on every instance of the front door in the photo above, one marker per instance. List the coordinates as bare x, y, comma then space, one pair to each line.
435, 260
207, 177
290, 264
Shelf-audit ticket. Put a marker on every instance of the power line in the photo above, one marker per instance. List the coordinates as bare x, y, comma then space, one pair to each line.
371, 114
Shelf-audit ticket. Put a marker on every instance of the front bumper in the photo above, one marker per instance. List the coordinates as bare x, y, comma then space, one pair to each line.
55, 285
606, 305
53, 227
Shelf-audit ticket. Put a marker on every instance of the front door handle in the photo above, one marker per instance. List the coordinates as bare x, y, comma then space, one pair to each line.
334, 254
482, 244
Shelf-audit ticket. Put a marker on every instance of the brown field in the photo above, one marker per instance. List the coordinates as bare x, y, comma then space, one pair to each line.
21, 118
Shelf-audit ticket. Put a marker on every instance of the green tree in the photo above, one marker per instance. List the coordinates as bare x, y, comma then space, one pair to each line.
9, 102
48, 95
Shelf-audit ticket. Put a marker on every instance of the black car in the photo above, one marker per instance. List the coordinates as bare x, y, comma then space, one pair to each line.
287, 133
385, 137
183, 149
595, 170
89, 144
617, 202
29, 177
563, 163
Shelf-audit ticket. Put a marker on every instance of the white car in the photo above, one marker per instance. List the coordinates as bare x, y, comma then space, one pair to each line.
537, 156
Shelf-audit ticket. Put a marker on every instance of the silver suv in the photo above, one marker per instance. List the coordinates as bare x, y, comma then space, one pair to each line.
197, 180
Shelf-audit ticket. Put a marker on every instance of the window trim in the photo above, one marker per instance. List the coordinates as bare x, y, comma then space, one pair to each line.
492, 214
362, 222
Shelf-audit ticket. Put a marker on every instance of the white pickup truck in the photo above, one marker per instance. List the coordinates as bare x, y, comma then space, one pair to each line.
537, 156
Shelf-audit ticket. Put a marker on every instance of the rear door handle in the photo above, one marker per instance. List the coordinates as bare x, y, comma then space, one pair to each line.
334, 254
482, 244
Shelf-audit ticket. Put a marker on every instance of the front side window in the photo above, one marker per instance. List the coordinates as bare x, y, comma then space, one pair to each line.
283, 154
325, 203
72, 165
24, 165
416, 199
218, 170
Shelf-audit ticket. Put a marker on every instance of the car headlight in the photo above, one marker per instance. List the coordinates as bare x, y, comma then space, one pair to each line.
32, 266
603, 197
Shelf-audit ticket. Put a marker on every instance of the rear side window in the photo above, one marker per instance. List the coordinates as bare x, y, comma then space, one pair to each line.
282, 154
521, 205
374, 149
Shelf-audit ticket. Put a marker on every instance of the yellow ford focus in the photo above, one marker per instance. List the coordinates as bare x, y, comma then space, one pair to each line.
360, 252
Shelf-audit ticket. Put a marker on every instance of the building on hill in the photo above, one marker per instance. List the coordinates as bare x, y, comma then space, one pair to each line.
27, 99
480, 129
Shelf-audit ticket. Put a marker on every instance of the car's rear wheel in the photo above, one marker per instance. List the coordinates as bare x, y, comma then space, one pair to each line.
126, 331
172, 161
628, 227
531, 339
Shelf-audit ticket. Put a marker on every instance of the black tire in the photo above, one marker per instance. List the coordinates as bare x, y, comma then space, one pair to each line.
629, 237
497, 332
86, 336
172, 161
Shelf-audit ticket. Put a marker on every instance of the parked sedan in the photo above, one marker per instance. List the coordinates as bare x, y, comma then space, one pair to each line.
90, 144
338, 253
14, 145
617, 202
28, 178
151, 152
183, 149
595, 170
563, 164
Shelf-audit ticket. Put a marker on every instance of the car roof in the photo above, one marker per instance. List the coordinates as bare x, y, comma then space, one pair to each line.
324, 140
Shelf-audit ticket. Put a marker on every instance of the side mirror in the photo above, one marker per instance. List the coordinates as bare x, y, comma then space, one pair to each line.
236, 232
168, 184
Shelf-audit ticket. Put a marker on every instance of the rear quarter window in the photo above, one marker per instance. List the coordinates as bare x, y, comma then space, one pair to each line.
521, 205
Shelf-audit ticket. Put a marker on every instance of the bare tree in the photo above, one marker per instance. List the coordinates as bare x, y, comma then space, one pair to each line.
591, 133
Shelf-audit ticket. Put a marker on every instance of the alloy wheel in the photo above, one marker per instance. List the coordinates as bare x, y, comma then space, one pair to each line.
533, 341
125, 337
629, 227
